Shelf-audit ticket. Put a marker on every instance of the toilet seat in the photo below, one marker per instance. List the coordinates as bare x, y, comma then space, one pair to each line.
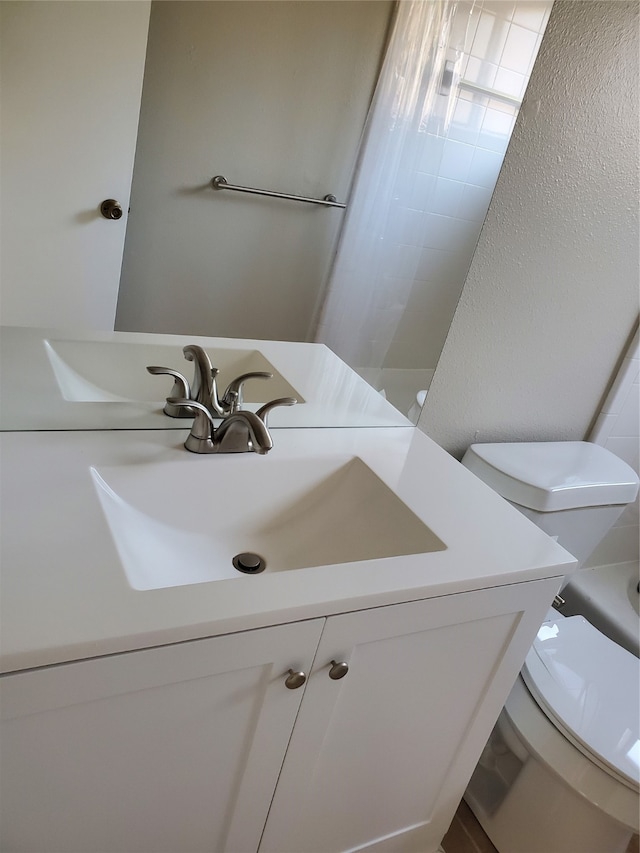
588, 687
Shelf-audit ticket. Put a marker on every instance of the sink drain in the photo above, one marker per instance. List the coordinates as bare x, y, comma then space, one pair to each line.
250, 564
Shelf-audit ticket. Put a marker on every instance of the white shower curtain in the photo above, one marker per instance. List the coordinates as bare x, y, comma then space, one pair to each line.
373, 271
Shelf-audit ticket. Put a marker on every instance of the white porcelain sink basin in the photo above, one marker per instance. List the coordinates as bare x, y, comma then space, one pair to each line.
182, 522
115, 372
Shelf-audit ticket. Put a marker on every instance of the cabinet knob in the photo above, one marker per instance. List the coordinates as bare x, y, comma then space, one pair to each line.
294, 679
111, 209
338, 669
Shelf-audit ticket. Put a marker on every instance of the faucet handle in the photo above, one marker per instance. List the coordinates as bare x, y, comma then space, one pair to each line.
232, 397
263, 411
180, 390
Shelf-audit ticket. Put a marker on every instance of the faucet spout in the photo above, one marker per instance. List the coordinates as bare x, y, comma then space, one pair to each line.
203, 387
243, 431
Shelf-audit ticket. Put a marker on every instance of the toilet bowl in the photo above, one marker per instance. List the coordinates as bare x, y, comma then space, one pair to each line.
560, 772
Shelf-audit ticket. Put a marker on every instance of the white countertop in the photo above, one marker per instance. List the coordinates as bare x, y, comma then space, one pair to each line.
333, 394
65, 596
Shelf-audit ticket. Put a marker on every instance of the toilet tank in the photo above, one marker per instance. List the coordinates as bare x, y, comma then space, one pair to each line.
573, 490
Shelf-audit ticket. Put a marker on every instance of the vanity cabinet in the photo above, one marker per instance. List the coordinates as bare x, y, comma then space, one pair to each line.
379, 759
175, 749
200, 746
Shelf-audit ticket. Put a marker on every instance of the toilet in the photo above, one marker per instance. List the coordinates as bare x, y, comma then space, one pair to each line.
561, 770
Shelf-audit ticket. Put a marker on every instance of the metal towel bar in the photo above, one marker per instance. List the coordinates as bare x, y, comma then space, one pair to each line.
220, 183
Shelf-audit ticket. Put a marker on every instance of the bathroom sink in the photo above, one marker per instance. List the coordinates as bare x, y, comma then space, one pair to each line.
183, 521
115, 371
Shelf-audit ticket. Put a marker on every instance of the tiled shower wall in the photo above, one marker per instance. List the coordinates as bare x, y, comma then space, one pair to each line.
618, 429
457, 168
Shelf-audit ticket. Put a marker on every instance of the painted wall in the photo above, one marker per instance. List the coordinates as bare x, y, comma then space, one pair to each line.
71, 86
267, 94
551, 297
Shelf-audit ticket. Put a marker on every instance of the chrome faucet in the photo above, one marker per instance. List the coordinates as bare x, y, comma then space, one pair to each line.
204, 388
239, 432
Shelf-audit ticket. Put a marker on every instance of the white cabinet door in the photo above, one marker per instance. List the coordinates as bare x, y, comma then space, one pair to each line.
71, 88
379, 759
169, 750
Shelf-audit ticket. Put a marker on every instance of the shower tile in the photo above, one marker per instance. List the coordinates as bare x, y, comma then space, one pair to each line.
439, 265
533, 16
630, 516
474, 203
535, 53
626, 448
498, 122
626, 377
519, 47
446, 197
466, 121
438, 232
463, 133
485, 168
497, 142
406, 227
456, 160
388, 301
491, 37
501, 106
500, 8
421, 190
481, 72
450, 234
620, 545
627, 420
470, 23
602, 428
423, 327
510, 82
432, 151
402, 261
496, 131
465, 234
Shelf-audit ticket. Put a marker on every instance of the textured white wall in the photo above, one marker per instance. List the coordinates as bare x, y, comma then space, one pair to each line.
552, 293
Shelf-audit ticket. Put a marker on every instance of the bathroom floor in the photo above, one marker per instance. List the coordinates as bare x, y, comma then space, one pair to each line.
465, 835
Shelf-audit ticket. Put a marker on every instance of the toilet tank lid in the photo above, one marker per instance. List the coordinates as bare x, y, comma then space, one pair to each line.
553, 475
